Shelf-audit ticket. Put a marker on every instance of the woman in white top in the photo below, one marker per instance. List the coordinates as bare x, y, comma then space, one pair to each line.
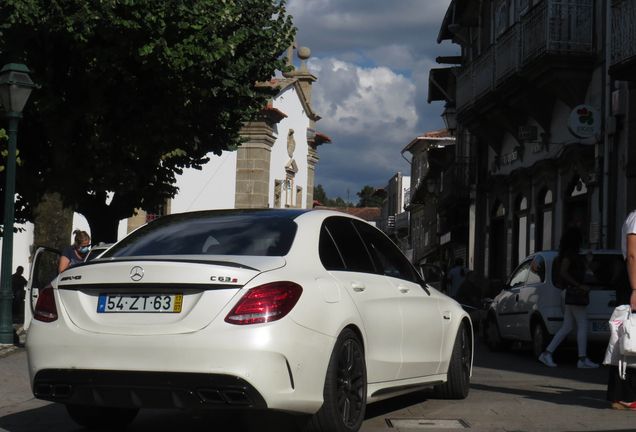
622, 393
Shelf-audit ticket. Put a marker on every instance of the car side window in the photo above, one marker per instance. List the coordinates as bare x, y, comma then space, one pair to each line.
329, 253
386, 255
349, 245
431, 273
518, 278
536, 272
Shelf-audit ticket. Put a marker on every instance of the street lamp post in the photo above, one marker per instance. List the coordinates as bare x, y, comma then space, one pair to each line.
15, 88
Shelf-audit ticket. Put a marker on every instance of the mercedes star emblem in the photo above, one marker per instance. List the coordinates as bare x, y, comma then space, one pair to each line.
137, 273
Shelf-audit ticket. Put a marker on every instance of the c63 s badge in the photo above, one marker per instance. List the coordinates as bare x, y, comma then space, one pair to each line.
223, 279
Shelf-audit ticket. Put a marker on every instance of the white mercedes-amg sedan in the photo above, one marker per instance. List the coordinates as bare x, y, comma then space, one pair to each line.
304, 312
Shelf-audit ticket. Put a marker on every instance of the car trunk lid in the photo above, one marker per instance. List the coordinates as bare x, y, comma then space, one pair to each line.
152, 297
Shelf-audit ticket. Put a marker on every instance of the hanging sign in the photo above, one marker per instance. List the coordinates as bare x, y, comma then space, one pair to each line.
584, 121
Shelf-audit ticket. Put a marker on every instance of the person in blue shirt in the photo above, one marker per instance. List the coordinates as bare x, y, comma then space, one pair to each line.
455, 277
75, 253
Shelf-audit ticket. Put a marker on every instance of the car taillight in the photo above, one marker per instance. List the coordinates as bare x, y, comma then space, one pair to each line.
265, 303
45, 309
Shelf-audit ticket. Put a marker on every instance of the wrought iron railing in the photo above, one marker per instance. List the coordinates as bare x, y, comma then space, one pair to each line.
508, 54
623, 44
552, 26
557, 26
485, 73
457, 179
402, 221
465, 87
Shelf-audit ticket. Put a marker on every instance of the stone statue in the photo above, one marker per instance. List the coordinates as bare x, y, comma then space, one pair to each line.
291, 143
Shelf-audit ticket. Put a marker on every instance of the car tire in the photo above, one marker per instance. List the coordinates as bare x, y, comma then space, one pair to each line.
539, 339
101, 418
345, 390
492, 336
458, 378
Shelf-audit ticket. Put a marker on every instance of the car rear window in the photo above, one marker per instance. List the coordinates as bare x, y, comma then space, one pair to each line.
604, 271
211, 233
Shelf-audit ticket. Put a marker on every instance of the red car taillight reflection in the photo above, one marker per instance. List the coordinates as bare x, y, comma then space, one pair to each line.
266, 303
45, 309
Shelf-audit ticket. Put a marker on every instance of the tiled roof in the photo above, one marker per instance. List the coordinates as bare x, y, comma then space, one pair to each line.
442, 133
370, 214
276, 110
324, 137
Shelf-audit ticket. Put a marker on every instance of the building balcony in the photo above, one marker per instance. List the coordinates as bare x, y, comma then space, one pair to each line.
402, 223
455, 183
623, 43
552, 40
426, 244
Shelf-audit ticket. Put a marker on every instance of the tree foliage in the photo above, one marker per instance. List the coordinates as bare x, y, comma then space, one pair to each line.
368, 197
321, 196
130, 92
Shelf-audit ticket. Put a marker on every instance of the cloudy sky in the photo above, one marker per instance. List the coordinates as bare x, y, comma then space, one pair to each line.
372, 59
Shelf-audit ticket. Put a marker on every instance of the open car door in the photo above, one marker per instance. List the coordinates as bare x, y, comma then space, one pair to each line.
44, 269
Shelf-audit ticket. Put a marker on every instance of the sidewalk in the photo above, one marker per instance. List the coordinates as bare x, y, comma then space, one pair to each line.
6, 349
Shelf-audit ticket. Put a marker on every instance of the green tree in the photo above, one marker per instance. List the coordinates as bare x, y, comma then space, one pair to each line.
367, 198
130, 92
321, 196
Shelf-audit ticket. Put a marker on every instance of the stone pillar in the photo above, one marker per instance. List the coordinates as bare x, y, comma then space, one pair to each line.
312, 160
253, 165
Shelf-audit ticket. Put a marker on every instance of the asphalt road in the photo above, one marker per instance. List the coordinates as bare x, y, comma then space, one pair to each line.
509, 392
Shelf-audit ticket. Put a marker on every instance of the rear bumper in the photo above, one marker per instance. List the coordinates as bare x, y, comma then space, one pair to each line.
141, 389
279, 367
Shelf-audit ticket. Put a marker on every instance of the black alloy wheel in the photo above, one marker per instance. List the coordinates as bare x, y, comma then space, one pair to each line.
539, 339
457, 385
345, 391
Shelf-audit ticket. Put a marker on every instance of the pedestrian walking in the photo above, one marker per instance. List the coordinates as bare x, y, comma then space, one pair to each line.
622, 393
455, 277
572, 278
75, 253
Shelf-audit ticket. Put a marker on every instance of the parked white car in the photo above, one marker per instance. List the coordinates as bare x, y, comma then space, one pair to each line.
307, 312
530, 307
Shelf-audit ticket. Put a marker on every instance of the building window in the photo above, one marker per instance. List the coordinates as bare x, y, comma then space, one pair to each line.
501, 17
521, 216
299, 196
545, 220
278, 187
289, 188
156, 214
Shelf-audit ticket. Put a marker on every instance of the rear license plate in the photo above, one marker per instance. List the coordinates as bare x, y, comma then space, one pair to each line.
166, 303
600, 326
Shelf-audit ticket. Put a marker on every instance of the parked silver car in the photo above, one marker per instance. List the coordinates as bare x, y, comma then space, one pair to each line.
530, 307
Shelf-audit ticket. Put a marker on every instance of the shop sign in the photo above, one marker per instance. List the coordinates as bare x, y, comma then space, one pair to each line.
584, 121
509, 158
445, 238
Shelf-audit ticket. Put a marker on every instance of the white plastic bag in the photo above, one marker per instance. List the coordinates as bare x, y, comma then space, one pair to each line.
622, 340
620, 314
627, 336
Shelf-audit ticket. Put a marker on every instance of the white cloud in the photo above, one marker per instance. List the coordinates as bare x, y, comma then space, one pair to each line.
353, 100
372, 59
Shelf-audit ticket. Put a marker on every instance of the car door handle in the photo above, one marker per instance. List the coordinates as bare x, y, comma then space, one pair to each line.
446, 315
403, 289
358, 286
